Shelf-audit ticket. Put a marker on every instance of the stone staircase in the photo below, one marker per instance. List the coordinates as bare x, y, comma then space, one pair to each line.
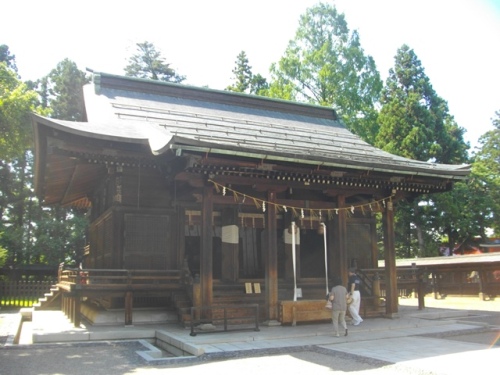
50, 300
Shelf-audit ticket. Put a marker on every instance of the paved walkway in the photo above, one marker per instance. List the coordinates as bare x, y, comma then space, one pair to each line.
448, 337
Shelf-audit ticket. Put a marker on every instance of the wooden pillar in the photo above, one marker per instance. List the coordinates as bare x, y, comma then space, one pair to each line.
271, 268
391, 287
180, 236
75, 309
340, 237
206, 251
483, 281
230, 245
129, 300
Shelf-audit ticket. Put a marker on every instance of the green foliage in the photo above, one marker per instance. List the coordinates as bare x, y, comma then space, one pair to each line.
62, 91
242, 74
414, 120
486, 173
31, 233
7, 58
244, 80
16, 104
148, 63
415, 123
3, 256
325, 64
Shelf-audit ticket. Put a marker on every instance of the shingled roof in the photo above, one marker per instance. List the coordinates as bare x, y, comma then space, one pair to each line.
170, 116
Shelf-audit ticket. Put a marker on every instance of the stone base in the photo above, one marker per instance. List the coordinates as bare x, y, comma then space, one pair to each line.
271, 323
96, 315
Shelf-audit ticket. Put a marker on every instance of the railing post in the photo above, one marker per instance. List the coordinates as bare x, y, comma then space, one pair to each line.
128, 307
376, 290
192, 321
197, 296
225, 318
76, 310
421, 292
257, 317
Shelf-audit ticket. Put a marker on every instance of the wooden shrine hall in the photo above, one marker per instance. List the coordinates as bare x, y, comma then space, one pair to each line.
215, 197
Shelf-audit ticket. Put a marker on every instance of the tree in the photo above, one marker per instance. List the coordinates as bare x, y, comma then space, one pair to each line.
242, 74
325, 64
244, 80
7, 58
415, 123
414, 120
16, 103
486, 173
62, 91
148, 63
30, 233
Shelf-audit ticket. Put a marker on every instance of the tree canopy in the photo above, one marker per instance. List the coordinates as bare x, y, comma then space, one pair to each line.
486, 175
414, 120
16, 103
148, 63
415, 123
244, 80
7, 57
30, 233
61, 91
325, 64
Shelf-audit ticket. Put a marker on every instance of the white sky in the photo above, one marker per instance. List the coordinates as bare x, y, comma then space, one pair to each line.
457, 41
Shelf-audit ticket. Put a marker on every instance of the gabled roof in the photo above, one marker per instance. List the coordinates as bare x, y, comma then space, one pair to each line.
169, 116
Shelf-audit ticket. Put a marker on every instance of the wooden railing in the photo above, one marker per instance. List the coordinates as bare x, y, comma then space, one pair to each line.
409, 281
225, 315
110, 279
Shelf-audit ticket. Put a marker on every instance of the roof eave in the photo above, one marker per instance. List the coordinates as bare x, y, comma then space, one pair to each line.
262, 156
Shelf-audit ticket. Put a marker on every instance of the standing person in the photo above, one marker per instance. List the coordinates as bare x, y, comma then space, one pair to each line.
353, 286
338, 296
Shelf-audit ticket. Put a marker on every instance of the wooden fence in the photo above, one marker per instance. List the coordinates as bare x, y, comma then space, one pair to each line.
23, 293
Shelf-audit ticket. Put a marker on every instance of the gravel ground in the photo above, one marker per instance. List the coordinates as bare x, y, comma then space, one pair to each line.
120, 358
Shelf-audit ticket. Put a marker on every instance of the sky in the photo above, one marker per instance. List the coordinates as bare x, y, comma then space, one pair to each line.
457, 41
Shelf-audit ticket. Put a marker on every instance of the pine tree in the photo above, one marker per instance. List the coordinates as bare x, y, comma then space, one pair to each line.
415, 123
148, 63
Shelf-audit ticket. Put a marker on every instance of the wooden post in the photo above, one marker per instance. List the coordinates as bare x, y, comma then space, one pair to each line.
197, 297
76, 310
482, 285
421, 291
206, 251
271, 288
376, 290
230, 245
391, 287
129, 301
341, 265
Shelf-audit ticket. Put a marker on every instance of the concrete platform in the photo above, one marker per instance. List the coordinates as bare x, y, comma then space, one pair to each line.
421, 339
